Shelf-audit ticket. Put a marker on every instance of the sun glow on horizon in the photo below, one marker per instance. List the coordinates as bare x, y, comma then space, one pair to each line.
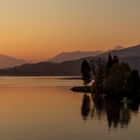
38, 29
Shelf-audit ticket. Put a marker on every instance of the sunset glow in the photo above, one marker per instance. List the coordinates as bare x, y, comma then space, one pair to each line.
39, 29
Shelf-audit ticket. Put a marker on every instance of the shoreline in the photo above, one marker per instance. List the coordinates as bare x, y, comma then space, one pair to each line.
81, 89
130, 95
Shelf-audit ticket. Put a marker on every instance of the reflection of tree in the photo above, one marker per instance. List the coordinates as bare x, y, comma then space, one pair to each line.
85, 106
125, 114
98, 106
118, 113
113, 113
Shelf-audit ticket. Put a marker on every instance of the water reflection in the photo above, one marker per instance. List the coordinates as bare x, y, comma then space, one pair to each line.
85, 109
118, 113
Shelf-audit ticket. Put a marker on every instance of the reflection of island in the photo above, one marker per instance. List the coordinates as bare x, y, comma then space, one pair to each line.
118, 112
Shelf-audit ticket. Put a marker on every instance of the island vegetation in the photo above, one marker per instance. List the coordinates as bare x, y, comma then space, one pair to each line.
111, 78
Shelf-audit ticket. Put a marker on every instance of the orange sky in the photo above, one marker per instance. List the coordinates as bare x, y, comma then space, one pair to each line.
39, 29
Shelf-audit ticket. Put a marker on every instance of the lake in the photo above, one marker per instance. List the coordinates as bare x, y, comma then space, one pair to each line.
44, 108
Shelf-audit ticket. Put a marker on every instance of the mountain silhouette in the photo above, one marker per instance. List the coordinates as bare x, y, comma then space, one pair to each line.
65, 56
118, 48
7, 61
72, 67
133, 51
131, 55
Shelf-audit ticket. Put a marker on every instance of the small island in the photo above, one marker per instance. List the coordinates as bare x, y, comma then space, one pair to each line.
110, 78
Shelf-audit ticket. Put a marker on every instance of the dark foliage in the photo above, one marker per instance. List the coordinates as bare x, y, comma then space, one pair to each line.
110, 61
115, 60
116, 79
135, 79
85, 70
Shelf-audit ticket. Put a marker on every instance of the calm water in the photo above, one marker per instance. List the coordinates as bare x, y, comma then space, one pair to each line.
43, 108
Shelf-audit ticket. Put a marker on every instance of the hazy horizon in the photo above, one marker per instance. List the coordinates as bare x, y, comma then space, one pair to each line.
37, 30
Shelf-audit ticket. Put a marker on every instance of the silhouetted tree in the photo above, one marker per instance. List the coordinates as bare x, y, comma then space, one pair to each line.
115, 60
114, 78
135, 79
100, 75
86, 72
117, 78
110, 61
93, 67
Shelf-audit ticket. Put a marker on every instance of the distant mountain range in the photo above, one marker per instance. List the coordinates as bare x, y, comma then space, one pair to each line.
130, 55
7, 61
65, 56
72, 67
128, 52
118, 48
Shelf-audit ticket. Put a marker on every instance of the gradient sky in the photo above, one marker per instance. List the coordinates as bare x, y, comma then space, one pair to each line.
39, 29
